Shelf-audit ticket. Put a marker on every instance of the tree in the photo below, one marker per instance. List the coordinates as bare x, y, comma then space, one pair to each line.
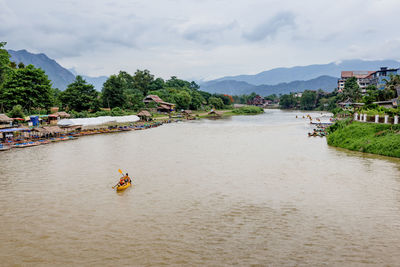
216, 102
176, 83
392, 84
113, 92
351, 90
134, 100
194, 86
157, 84
287, 101
28, 87
371, 95
17, 112
182, 99
308, 100
80, 96
142, 80
4, 63
197, 100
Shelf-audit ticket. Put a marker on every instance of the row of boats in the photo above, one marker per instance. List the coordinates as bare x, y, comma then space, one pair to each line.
22, 143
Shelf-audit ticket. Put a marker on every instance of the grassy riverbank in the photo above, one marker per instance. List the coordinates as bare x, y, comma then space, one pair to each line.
381, 139
246, 110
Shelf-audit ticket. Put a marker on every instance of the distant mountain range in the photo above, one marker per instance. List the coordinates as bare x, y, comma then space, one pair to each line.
274, 81
59, 75
295, 79
232, 87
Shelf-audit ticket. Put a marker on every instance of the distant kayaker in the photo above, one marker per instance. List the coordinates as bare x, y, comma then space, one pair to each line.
122, 181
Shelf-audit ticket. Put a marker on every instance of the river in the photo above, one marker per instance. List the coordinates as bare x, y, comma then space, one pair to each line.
239, 191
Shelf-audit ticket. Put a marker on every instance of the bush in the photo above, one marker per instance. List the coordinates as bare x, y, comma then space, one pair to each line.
117, 112
17, 112
248, 110
382, 139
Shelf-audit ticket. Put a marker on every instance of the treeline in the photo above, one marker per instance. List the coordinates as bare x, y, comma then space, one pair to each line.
351, 93
310, 100
26, 89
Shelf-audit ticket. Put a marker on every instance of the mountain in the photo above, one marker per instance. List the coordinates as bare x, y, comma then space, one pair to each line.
59, 75
303, 73
327, 83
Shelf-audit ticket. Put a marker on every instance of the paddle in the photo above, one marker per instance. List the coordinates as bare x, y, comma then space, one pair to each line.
123, 174
119, 170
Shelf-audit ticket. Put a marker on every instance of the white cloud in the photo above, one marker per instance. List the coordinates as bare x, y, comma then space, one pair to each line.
205, 38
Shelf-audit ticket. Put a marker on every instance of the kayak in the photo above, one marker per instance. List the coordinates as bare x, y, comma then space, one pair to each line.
123, 187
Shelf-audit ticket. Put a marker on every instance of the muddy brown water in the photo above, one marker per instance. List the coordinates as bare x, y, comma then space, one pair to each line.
238, 191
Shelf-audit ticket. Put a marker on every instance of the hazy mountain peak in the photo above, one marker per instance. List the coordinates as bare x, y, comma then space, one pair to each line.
59, 76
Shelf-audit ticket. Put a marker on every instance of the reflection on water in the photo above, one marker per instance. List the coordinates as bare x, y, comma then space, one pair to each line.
245, 190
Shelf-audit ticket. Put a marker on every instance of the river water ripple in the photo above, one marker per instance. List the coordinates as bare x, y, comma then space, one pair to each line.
240, 191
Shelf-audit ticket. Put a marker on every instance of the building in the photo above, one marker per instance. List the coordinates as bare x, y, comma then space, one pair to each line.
162, 106
366, 78
363, 79
144, 115
377, 77
257, 101
5, 121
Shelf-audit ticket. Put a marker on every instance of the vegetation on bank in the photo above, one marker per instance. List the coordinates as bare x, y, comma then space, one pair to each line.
381, 139
26, 90
248, 110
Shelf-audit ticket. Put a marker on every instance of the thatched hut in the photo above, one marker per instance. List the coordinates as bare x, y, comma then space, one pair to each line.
188, 114
40, 132
215, 113
144, 115
61, 114
5, 121
55, 117
54, 130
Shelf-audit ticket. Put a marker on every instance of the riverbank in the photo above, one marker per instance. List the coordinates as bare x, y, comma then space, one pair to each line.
381, 139
29, 137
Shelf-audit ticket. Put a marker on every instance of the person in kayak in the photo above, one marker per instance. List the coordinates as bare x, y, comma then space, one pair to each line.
127, 179
122, 181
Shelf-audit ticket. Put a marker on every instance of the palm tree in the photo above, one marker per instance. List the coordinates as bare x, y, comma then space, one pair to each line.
392, 84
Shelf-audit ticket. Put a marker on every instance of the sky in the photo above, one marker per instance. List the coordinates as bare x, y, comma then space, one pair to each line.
202, 39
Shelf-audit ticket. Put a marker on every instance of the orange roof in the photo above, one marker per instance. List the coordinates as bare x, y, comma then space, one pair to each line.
359, 74
155, 98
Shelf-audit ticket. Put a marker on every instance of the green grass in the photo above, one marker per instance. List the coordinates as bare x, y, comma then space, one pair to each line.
248, 110
381, 139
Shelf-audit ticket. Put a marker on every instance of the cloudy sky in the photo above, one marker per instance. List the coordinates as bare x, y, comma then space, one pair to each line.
201, 39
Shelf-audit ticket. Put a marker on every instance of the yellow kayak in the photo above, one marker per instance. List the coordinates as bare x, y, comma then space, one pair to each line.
123, 187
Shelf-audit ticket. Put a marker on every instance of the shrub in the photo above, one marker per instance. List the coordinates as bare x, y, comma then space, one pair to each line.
17, 112
248, 110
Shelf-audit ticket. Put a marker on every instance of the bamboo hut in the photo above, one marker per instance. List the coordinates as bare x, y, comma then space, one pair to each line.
40, 132
53, 130
62, 114
215, 113
144, 115
5, 121
188, 114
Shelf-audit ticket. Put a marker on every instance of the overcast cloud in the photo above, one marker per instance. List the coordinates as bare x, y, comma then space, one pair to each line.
201, 39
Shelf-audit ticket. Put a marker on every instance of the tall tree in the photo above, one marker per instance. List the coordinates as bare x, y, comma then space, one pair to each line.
28, 87
308, 100
392, 84
4, 63
287, 101
113, 92
142, 79
351, 89
80, 96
